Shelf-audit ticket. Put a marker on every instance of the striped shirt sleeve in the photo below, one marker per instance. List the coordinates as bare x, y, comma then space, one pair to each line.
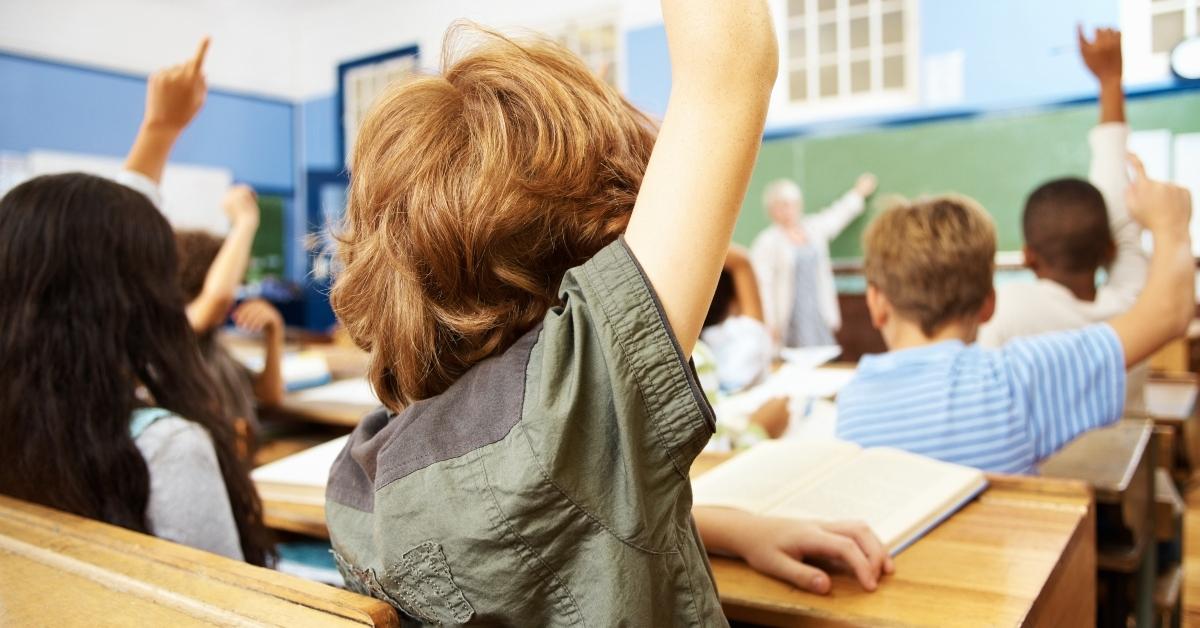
1067, 383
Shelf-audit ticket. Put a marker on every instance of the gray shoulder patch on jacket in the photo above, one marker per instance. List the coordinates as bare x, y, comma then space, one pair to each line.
479, 409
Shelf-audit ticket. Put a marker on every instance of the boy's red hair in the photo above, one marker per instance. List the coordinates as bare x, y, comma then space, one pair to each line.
471, 195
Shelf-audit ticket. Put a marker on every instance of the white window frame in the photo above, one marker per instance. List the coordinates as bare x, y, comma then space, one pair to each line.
1142, 64
784, 110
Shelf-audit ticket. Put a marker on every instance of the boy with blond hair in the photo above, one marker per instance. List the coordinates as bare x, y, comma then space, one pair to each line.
929, 268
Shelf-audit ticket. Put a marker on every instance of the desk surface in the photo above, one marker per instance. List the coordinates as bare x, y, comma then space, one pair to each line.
344, 363
58, 569
1171, 398
1023, 553
1106, 458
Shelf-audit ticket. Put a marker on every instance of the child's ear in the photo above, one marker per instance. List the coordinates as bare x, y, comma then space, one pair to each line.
989, 307
1031, 258
879, 307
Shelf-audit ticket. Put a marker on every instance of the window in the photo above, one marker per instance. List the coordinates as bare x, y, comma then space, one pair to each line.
1151, 29
362, 81
847, 52
594, 39
1170, 22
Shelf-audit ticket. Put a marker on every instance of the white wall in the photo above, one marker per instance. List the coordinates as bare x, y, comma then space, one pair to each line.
331, 34
283, 48
253, 50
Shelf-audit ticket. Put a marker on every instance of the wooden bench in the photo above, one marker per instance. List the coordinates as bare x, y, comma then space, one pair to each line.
57, 569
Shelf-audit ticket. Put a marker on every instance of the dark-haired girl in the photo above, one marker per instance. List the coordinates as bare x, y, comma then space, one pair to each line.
106, 410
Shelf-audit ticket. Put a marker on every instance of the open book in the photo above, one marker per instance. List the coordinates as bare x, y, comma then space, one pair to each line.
901, 496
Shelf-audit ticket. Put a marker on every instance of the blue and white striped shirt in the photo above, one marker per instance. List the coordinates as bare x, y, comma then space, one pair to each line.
1000, 410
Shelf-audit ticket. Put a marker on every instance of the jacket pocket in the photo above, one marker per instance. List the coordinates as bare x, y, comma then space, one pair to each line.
422, 584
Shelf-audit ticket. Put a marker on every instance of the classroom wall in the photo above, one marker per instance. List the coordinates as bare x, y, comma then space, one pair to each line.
49, 105
137, 36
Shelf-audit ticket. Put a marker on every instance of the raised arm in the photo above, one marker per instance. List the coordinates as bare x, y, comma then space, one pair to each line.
829, 223
724, 60
1102, 56
259, 316
1167, 303
1108, 140
208, 310
173, 97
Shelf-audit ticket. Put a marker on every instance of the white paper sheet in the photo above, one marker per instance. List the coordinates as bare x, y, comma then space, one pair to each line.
307, 468
349, 391
810, 357
191, 194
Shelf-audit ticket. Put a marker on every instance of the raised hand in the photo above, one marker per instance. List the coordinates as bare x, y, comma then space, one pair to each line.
1102, 55
175, 94
173, 97
866, 184
241, 206
1161, 207
257, 315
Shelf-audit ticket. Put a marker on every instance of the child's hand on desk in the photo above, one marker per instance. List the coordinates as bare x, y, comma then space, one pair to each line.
256, 315
777, 547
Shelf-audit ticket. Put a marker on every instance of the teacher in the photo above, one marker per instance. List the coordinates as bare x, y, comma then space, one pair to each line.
791, 261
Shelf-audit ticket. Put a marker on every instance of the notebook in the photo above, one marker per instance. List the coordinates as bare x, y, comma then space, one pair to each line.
900, 495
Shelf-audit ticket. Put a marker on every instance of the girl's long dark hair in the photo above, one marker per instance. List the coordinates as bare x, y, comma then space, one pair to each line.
90, 308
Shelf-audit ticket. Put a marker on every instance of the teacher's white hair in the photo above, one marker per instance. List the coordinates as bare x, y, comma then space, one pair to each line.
781, 190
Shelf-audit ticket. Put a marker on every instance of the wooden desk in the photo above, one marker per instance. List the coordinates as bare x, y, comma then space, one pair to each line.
1023, 553
1171, 403
344, 363
1119, 463
58, 569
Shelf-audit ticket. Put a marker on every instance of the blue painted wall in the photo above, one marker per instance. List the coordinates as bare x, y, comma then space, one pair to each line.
320, 134
47, 105
648, 69
1016, 52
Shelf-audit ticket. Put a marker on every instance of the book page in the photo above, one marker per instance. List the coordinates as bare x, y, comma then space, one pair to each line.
896, 493
307, 468
355, 391
764, 475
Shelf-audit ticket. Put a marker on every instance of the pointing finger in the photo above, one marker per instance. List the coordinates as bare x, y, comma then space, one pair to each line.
197, 62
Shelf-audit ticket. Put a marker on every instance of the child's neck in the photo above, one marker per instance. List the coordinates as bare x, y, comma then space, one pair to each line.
1081, 284
902, 334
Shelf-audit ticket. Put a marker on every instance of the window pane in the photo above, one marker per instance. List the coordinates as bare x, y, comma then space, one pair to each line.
796, 7
827, 40
798, 85
893, 27
829, 81
860, 33
826, 5
893, 72
1167, 30
858, 3
860, 77
797, 44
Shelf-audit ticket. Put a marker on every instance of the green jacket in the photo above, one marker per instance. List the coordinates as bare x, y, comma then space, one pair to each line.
546, 487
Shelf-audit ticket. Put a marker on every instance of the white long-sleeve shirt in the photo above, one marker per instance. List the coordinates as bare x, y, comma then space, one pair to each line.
773, 258
1026, 309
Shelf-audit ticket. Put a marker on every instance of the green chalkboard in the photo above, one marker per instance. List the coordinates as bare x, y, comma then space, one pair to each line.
266, 253
997, 159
